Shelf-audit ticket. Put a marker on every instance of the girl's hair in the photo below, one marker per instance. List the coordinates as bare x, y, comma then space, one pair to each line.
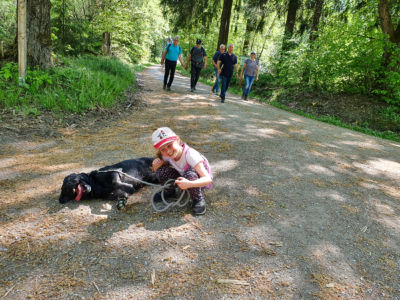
158, 152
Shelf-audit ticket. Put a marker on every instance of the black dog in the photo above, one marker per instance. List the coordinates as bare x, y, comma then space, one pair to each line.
109, 182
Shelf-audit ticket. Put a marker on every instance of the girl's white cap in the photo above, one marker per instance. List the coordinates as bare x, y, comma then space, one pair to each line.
162, 136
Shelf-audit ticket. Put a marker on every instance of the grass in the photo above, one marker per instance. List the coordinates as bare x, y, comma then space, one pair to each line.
75, 85
334, 121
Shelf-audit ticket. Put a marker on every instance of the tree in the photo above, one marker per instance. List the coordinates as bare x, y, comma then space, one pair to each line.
290, 22
316, 17
255, 20
388, 28
225, 21
38, 33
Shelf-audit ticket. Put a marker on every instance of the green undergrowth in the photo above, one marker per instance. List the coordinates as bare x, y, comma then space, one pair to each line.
74, 85
389, 135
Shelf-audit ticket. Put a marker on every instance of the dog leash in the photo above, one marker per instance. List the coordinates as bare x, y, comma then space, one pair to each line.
164, 205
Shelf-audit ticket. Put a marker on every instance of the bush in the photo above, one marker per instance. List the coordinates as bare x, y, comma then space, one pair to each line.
78, 85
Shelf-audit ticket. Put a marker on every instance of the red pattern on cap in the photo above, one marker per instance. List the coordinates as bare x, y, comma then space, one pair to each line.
172, 138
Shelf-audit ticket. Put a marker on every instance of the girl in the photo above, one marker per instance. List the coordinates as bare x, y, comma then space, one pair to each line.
250, 68
178, 161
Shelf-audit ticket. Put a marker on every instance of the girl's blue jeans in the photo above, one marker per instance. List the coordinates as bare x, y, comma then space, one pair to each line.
249, 81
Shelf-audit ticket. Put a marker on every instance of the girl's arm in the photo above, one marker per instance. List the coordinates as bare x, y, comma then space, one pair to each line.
157, 163
204, 179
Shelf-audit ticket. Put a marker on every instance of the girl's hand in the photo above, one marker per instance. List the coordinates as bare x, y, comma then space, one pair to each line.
183, 183
157, 163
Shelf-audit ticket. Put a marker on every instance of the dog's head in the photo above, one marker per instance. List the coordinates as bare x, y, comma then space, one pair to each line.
75, 187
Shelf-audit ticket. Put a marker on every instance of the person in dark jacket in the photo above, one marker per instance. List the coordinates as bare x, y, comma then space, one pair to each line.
198, 59
226, 63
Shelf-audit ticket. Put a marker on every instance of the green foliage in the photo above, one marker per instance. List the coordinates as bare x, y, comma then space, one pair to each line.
189, 14
347, 57
78, 85
7, 20
389, 87
135, 27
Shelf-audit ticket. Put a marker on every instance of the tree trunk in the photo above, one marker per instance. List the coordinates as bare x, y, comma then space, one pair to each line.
247, 37
387, 24
2, 49
39, 33
106, 47
316, 17
290, 22
225, 20
388, 28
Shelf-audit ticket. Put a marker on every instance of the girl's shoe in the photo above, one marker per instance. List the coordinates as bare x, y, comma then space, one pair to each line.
199, 208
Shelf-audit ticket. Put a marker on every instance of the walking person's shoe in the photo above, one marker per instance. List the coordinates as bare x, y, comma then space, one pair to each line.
245, 97
199, 208
168, 88
164, 86
192, 90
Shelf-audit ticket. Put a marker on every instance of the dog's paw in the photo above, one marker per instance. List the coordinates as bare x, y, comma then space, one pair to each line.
121, 203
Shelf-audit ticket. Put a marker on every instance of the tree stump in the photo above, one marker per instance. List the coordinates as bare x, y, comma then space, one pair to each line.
106, 47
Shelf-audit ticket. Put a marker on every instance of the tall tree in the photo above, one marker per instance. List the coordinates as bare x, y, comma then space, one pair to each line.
316, 17
250, 27
393, 31
38, 33
256, 11
225, 21
290, 22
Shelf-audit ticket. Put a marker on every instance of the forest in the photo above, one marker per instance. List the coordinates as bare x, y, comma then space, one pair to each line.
317, 57
305, 197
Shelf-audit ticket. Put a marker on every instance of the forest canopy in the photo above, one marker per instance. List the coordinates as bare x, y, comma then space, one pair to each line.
350, 46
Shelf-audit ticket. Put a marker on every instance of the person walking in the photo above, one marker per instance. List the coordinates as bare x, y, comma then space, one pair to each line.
226, 63
198, 59
214, 61
171, 54
250, 71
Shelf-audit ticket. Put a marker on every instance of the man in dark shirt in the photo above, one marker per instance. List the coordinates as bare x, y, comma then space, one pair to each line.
198, 59
226, 63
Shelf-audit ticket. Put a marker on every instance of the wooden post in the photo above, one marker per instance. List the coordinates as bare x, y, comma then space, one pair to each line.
22, 41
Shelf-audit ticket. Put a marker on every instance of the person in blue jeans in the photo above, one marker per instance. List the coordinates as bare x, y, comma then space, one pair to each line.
214, 61
250, 71
226, 63
171, 54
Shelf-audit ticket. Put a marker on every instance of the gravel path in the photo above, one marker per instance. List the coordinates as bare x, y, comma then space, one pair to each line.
299, 209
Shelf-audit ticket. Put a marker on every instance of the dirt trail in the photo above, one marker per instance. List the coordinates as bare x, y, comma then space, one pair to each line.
299, 209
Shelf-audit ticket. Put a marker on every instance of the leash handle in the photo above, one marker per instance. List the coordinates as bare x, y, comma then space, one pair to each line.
181, 201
